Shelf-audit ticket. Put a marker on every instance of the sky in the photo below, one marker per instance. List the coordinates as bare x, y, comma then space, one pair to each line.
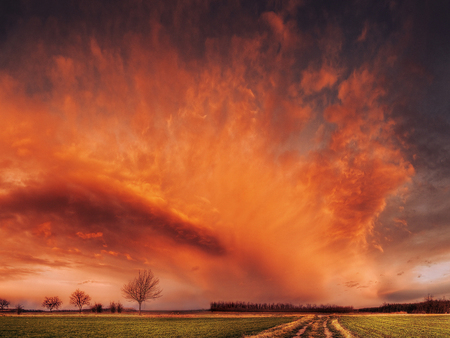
257, 151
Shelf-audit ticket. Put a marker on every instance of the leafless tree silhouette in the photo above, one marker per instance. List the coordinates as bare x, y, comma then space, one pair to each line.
52, 303
143, 287
4, 304
19, 309
79, 299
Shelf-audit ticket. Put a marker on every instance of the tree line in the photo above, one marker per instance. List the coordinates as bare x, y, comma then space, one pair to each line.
281, 307
429, 305
143, 287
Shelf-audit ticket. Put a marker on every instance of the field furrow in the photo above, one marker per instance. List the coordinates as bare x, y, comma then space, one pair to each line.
285, 330
392, 326
111, 326
321, 326
316, 328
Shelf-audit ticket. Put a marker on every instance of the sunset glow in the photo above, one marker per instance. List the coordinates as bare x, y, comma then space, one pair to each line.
279, 151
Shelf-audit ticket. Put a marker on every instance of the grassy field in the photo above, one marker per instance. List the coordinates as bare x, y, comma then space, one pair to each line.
133, 326
226, 325
417, 326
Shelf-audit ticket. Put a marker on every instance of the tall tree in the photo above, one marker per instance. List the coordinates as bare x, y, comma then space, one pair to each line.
79, 299
143, 287
52, 303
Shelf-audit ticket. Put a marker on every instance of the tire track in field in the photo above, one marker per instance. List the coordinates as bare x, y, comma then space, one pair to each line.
283, 330
302, 330
338, 330
325, 328
319, 327
315, 328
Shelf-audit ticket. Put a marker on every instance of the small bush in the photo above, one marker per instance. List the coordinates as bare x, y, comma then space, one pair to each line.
19, 309
98, 307
112, 307
119, 308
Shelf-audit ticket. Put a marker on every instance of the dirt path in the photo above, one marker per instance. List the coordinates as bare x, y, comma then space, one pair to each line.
325, 329
343, 332
318, 328
314, 329
302, 330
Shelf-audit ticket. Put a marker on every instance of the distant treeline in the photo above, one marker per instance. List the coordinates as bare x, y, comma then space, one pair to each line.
428, 306
261, 307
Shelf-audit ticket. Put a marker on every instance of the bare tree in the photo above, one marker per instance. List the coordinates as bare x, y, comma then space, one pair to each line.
19, 309
79, 299
4, 304
52, 303
145, 286
429, 298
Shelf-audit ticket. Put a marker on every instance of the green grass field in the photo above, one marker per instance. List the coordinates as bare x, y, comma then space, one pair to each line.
373, 326
392, 326
131, 326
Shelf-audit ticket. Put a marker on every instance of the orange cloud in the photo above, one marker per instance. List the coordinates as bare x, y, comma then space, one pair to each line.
238, 166
91, 235
44, 229
315, 81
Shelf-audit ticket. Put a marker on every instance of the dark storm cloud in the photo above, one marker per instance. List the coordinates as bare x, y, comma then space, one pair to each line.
428, 140
424, 80
418, 293
403, 295
77, 209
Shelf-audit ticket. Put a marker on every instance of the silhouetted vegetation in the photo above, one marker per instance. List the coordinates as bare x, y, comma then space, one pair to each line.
282, 307
52, 303
4, 304
145, 286
115, 307
79, 299
97, 307
19, 309
429, 305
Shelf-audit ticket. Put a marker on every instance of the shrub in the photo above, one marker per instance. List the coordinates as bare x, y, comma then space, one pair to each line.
19, 309
112, 307
98, 307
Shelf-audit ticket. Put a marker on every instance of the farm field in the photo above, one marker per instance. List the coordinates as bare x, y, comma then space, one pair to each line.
417, 326
226, 325
133, 326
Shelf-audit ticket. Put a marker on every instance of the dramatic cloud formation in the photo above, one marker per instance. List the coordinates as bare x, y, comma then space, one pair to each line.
288, 151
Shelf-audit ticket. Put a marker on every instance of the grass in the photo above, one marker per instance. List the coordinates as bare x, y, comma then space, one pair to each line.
276, 326
114, 326
380, 326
